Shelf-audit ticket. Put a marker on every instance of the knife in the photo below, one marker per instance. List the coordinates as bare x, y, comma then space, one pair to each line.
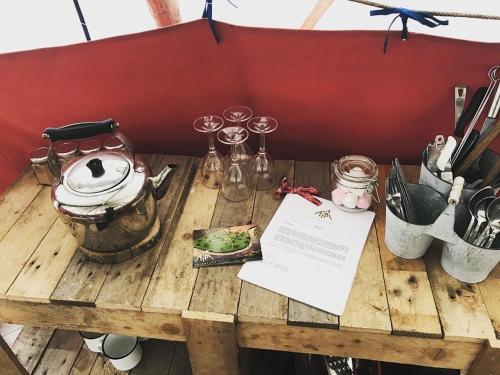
470, 111
492, 114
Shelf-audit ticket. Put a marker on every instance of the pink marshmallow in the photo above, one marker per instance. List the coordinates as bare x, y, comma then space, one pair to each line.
338, 196
364, 201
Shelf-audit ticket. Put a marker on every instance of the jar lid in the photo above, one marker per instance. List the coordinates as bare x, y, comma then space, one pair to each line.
40, 155
96, 173
66, 149
356, 168
90, 145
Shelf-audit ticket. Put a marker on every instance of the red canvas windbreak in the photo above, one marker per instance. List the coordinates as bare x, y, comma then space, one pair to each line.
333, 92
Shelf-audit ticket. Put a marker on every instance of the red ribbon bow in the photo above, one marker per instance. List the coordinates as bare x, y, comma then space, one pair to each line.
306, 192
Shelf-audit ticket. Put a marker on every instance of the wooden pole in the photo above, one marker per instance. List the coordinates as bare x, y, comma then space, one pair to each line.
165, 12
317, 12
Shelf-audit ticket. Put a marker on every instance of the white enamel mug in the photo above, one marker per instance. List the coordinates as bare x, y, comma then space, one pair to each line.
93, 340
124, 352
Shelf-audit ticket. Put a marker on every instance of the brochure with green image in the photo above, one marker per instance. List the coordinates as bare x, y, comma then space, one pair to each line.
230, 245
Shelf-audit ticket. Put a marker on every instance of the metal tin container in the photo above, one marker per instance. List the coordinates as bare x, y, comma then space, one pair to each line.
356, 181
39, 163
113, 143
89, 146
484, 165
65, 152
465, 262
410, 241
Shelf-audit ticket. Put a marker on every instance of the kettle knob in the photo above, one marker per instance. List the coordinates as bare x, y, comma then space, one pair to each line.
95, 166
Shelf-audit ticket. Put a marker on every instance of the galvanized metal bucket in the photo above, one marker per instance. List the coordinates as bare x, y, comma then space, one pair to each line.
410, 241
465, 262
444, 187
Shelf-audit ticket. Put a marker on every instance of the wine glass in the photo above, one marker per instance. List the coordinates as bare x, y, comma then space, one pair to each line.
262, 170
212, 164
238, 115
235, 181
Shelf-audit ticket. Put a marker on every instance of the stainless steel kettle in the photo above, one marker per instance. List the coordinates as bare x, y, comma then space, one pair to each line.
107, 198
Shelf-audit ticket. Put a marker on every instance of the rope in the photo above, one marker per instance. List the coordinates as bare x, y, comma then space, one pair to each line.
443, 14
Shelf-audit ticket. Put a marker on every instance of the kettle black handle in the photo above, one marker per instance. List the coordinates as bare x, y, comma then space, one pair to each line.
80, 130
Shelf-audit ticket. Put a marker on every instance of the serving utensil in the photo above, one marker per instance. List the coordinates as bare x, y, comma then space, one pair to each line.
479, 212
493, 215
473, 201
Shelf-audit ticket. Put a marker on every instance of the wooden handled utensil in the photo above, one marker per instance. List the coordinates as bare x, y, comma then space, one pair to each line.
486, 139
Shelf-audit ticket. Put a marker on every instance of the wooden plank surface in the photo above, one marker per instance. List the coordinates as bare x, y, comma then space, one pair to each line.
30, 345
367, 345
42, 272
173, 280
126, 282
17, 198
180, 361
103, 367
156, 359
316, 174
258, 304
84, 361
21, 241
490, 290
367, 308
411, 302
488, 359
126, 322
217, 289
60, 353
461, 307
211, 342
9, 364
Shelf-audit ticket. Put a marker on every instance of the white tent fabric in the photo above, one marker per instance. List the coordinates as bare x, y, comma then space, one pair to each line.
27, 24
348, 15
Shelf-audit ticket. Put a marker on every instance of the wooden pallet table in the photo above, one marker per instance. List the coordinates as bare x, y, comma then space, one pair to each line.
398, 310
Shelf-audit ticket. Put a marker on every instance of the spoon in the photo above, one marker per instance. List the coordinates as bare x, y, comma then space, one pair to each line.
493, 215
480, 213
474, 199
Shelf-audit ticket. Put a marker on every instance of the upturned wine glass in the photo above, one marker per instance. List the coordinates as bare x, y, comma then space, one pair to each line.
238, 115
262, 170
212, 164
235, 181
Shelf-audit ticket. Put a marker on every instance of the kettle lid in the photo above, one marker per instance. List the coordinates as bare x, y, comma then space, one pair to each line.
96, 173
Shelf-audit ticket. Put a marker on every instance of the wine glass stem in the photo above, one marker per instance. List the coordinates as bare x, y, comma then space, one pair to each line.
262, 146
234, 156
211, 145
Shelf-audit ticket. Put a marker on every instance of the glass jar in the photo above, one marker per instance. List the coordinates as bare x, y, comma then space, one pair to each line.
65, 152
89, 146
113, 143
356, 182
40, 163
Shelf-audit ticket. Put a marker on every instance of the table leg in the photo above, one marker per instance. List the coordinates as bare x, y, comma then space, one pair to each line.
487, 361
9, 364
211, 343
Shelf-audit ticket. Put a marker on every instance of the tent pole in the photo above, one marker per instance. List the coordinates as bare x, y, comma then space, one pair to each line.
165, 12
317, 12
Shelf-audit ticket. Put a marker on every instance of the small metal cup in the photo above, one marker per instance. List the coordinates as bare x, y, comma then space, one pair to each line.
410, 241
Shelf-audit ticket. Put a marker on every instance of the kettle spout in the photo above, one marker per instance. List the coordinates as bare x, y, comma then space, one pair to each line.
160, 182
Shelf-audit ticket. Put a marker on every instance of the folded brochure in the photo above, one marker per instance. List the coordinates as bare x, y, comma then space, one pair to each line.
230, 245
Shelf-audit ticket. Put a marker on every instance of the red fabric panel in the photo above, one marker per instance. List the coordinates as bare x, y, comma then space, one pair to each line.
333, 92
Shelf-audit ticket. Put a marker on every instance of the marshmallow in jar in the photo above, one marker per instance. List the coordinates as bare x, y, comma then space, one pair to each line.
356, 179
